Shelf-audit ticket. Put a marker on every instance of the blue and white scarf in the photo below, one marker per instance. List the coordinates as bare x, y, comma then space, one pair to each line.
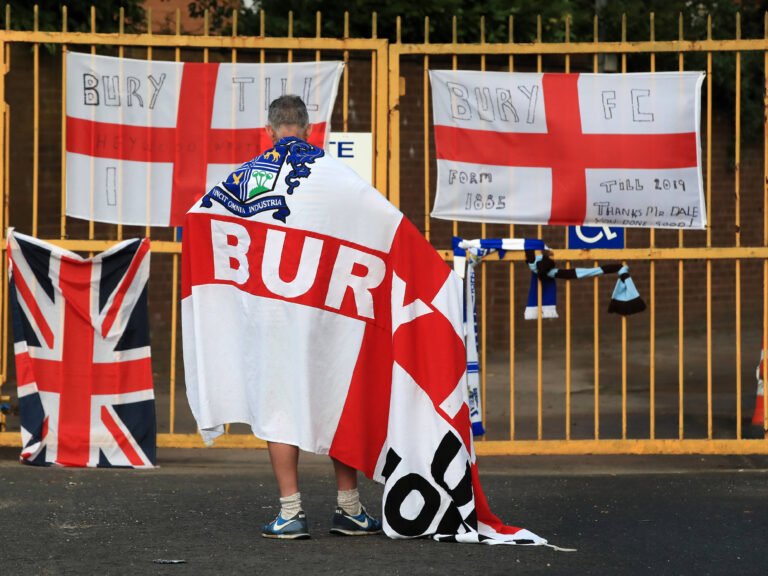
467, 254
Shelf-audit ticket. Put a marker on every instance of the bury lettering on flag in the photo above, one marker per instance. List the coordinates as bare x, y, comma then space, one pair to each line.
83, 367
569, 149
317, 314
145, 139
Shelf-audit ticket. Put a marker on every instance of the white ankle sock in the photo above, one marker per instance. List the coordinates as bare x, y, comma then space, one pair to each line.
290, 505
349, 501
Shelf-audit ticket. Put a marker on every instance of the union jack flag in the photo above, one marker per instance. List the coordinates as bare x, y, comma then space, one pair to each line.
83, 366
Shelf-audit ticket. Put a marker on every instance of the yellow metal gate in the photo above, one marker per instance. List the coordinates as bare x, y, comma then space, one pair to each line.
677, 379
34, 131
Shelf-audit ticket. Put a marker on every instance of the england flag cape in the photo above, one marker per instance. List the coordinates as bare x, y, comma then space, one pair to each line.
316, 313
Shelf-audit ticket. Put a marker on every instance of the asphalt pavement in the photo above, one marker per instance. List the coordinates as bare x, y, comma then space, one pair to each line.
203, 509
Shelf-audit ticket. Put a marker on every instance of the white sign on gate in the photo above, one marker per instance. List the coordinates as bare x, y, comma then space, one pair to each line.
355, 149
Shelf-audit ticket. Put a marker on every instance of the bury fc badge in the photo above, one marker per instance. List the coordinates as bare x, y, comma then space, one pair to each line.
263, 173
243, 192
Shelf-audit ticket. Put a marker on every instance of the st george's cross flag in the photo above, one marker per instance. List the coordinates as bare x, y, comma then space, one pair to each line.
313, 311
597, 149
146, 139
83, 368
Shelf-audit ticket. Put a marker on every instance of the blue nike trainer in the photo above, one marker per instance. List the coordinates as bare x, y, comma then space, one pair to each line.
293, 528
361, 525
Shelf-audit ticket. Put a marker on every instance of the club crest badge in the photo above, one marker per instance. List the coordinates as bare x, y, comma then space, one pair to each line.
263, 175
244, 191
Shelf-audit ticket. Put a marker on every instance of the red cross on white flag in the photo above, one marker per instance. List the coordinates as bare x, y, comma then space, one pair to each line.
600, 149
146, 139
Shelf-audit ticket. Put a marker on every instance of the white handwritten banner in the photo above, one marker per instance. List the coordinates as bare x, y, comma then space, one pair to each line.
596, 149
146, 139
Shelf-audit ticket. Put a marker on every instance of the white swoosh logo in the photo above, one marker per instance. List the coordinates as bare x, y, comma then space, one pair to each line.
280, 525
361, 524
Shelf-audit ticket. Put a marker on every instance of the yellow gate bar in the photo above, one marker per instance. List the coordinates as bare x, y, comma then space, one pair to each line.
629, 254
540, 49
173, 41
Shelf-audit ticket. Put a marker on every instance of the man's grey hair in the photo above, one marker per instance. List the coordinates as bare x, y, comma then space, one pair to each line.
288, 109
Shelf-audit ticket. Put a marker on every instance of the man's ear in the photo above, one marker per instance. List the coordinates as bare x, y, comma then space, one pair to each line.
271, 133
307, 132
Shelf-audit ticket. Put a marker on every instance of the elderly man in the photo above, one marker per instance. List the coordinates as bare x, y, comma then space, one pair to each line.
288, 118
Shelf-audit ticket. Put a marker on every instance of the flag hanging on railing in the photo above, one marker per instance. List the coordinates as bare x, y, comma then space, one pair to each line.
599, 149
145, 139
83, 367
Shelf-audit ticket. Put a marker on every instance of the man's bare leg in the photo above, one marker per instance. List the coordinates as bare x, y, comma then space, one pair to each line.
350, 518
346, 476
348, 498
285, 465
291, 522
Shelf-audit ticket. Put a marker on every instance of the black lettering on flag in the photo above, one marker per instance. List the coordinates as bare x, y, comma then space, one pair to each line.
639, 115
504, 97
241, 81
532, 94
452, 521
459, 95
311, 106
90, 91
397, 495
392, 461
157, 84
449, 448
484, 103
609, 103
111, 87
132, 90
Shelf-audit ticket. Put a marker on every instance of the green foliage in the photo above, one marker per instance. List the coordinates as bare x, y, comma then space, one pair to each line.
675, 19
497, 13
218, 13
412, 14
78, 15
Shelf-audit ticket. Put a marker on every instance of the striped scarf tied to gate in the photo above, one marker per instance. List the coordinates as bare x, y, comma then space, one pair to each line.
625, 299
467, 254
